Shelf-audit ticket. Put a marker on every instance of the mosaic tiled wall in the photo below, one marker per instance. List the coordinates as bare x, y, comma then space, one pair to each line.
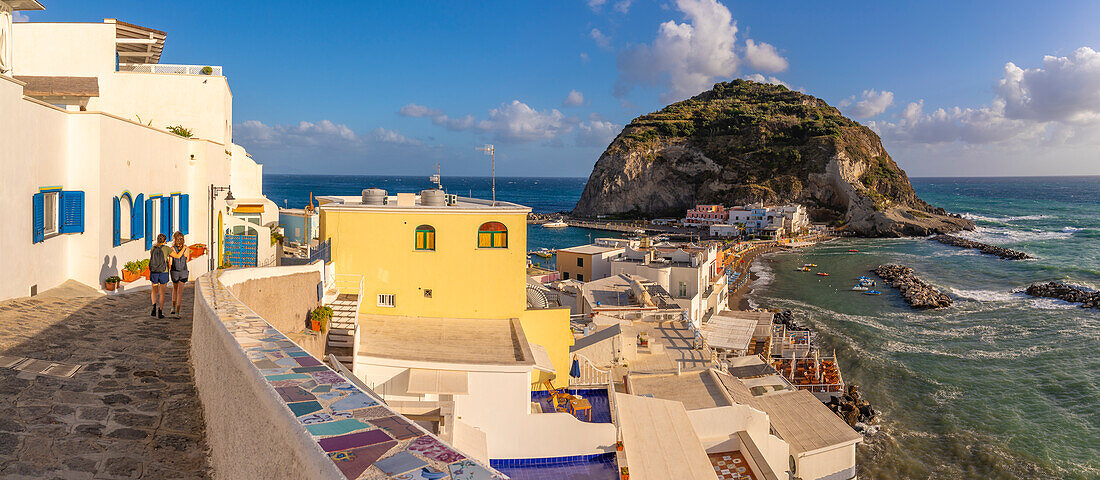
362, 436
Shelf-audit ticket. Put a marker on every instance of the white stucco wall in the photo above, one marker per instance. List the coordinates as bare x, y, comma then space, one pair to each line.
717, 429
836, 464
63, 49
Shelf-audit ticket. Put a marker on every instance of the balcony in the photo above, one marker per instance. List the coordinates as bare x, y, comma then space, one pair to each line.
214, 70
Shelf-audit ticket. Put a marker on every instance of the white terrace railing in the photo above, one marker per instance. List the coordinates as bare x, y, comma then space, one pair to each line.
589, 373
214, 70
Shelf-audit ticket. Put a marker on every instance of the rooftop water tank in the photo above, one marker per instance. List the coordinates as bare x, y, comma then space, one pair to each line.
432, 198
374, 196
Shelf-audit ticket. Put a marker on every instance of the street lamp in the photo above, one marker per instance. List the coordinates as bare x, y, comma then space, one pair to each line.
230, 203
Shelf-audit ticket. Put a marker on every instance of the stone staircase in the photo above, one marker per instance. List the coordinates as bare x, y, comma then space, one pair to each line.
343, 297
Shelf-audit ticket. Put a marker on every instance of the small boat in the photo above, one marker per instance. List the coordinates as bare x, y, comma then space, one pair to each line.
860, 288
802, 269
866, 282
853, 250
559, 223
544, 253
810, 265
823, 274
872, 292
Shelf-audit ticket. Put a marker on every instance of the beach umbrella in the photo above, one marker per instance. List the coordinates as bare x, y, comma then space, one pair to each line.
575, 369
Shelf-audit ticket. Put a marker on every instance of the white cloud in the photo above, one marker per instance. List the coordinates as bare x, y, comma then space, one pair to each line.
584, 57
514, 121
596, 132
414, 110
623, 6
685, 58
764, 57
871, 104
595, 4
602, 40
756, 77
20, 17
1055, 104
392, 136
574, 99
1063, 89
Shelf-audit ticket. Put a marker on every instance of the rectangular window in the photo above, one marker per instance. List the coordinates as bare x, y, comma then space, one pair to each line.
580, 277
683, 289
386, 300
49, 213
565, 275
580, 261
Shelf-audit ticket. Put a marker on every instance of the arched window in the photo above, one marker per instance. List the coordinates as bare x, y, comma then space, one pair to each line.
425, 237
492, 235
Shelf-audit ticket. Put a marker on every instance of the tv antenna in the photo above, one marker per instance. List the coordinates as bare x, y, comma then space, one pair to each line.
435, 178
490, 150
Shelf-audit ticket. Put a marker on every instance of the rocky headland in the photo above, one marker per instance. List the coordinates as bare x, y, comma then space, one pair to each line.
1065, 292
917, 292
745, 142
981, 247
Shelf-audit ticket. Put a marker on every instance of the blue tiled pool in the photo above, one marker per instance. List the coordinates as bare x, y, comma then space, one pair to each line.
601, 409
600, 466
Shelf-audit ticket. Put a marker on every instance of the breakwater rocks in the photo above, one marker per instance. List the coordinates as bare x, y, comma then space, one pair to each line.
1065, 292
916, 292
981, 247
854, 409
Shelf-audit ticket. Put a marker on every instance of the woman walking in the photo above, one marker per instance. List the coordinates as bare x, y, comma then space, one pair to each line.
179, 271
158, 274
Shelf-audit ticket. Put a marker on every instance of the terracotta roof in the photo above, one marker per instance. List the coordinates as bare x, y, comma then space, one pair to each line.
38, 86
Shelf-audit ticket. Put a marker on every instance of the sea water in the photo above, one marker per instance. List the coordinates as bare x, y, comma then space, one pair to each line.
999, 385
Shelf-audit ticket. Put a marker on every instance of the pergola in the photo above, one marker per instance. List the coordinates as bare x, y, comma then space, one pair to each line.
137, 44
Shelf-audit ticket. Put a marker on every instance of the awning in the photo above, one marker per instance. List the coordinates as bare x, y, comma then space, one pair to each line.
728, 333
449, 382
249, 209
542, 358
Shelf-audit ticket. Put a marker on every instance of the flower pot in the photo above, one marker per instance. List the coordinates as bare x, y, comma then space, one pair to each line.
145, 273
128, 276
195, 251
110, 286
619, 446
314, 325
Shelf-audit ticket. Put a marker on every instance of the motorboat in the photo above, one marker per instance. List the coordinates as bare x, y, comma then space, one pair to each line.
822, 274
853, 250
860, 288
559, 223
866, 282
872, 292
809, 265
802, 269
543, 252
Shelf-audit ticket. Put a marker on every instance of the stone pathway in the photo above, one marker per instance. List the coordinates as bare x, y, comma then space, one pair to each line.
131, 411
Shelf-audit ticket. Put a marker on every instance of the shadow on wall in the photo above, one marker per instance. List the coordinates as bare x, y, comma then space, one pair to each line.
109, 267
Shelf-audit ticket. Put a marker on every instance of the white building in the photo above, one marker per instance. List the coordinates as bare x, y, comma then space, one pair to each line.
88, 168
784, 220
691, 275
724, 230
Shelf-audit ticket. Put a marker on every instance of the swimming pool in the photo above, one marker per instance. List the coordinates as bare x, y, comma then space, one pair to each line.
601, 409
599, 466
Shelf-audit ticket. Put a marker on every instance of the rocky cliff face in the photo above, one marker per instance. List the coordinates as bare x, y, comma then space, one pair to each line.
746, 142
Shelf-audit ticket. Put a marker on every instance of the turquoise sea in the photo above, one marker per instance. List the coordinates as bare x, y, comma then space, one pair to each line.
1000, 385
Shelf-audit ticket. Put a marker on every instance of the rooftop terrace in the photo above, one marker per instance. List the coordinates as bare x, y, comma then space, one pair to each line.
447, 340
414, 201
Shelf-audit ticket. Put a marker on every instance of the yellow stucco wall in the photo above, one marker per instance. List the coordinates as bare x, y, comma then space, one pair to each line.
550, 328
465, 281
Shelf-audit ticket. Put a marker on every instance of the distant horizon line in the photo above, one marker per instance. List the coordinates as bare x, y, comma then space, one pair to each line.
566, 177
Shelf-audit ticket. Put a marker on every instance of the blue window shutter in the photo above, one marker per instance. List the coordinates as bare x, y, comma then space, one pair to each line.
166, 216
149, 229
38, 207
185, 213
137, 217
116, 230
72, 211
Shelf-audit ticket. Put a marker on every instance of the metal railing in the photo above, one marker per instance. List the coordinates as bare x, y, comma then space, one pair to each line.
589, 373
166, 68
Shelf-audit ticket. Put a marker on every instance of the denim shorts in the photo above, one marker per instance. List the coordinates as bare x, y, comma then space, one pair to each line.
159, 278
179, 276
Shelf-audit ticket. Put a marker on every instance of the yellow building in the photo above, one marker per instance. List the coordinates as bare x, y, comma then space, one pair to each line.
438, 256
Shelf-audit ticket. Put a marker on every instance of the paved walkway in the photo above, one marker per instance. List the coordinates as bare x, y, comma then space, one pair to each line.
130, 411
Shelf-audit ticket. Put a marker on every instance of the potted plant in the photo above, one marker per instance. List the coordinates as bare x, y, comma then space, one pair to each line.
624, 473
131, 271
643, 339
319, 318
195, 251
207, 70
111, 282
619, 446
144, 268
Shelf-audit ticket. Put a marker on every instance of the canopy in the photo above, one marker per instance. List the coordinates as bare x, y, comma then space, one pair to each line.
542, 358
449, 382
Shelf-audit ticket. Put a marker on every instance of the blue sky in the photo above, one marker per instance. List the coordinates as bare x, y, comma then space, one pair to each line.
396, 87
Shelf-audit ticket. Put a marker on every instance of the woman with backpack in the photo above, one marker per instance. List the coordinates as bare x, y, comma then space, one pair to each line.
159, 262
178, 271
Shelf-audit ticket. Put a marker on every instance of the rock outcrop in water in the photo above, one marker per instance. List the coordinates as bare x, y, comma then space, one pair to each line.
1065, 292
744, 142
853, 409
981, 247
915, 291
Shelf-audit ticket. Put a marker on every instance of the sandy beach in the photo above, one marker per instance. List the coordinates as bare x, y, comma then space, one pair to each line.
738, 300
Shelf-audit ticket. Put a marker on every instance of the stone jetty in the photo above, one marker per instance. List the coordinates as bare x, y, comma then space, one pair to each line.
981, 247
853, 409
916, 292
1065, 292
